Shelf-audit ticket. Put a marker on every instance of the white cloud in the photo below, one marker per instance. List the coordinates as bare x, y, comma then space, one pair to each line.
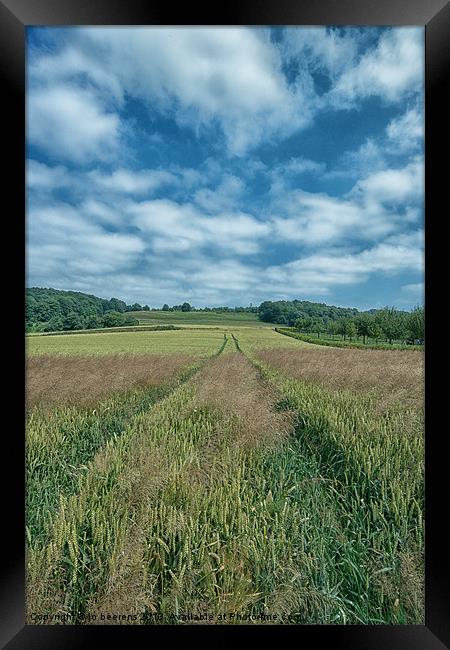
182, 227
417, 289
318, 218
66, 239
72, 64
210, 239
123, 181
395, 186
406, 133
223, 197
360, 162
327, 271
40, 176
71, 124
230, 77
202, 76
328, 50
393, 69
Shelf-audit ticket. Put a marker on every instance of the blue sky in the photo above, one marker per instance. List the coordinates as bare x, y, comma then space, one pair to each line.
227, 166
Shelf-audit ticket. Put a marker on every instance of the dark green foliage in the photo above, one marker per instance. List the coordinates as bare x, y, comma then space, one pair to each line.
415, 324
392, 323
51, 310
362, 324
389, 323
113, 319
288, 312
346, 327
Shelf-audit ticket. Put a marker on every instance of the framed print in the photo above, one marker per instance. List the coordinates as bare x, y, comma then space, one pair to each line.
230, 225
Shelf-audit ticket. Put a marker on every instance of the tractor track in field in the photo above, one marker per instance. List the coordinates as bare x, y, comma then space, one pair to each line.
222, 409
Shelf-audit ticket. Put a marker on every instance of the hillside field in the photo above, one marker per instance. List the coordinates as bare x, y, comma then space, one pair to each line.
197, 318
224, 476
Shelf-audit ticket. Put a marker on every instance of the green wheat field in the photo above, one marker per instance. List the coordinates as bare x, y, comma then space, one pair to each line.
222, 475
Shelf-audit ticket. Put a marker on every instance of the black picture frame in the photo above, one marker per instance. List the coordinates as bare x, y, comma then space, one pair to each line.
15, 16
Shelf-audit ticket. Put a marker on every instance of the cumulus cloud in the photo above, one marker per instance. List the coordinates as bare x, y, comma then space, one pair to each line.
315, 219
183, 227
64, 237
395, 186
124, 181
223, 197
226, 76
392, 69
370, 211
327, 271
71, 124
328, 50
209, 219
40, 176
406, 133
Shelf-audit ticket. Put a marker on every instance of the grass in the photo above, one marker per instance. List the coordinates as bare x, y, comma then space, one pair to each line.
63, 433
276, 478
254, 339
110, 330
393, 378
62, 380
162, 342
369, 447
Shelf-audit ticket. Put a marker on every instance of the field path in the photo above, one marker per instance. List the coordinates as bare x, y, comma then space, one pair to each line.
184, 443
244, 490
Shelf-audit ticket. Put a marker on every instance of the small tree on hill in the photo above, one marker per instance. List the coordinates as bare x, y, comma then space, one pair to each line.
415, 324
332, 328
318, 326
351, 328
392, 322
362, 323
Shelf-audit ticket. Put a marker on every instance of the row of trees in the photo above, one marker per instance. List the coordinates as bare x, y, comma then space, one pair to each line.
389, 324
53, 310
73, 321
287, 312
184, 307
217, 310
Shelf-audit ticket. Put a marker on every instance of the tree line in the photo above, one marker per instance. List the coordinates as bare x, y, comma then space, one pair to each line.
51, 310
389, 324
217, 310
287, 312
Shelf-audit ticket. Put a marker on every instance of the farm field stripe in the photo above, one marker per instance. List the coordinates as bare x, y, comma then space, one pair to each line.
378, 498
242, 491
192, 342
60, 445
164, 458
